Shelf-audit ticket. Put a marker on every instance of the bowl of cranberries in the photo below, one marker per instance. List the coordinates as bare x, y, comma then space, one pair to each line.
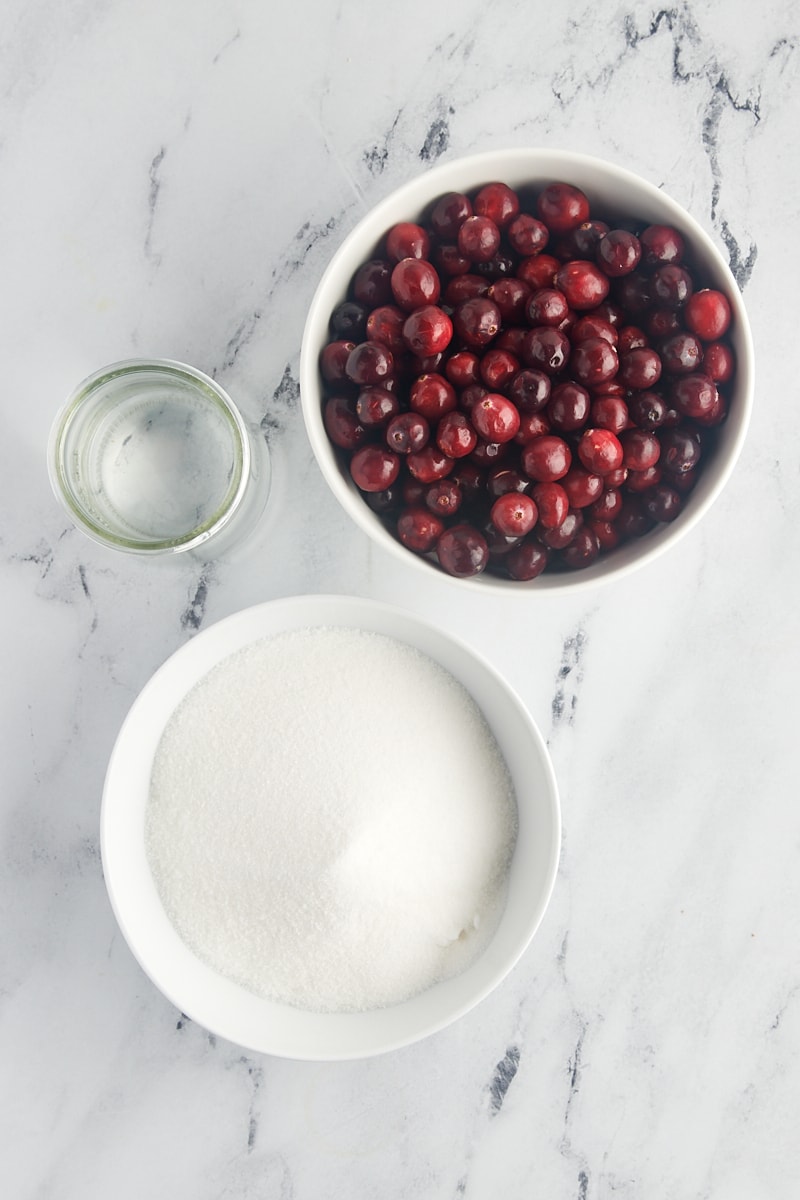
527, 368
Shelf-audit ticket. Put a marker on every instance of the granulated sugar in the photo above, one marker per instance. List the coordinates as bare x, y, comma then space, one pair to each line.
330, 821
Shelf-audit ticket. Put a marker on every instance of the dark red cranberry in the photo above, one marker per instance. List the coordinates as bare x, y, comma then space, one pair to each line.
372, 283
609, 412
333, 360
511, 338
527, 560
695, 396
407, 432
661, 245
415, 283
514, 514
708, 314
443, 498
642, 481
432, 396
552, 502
662, 323
428, 330
562, 207
631, 338
558, 538
591, 326
546, 349
463, 368
607, 534
647, 410
455, 435
546, 459
527, 235
510, 296
498, 368
449, 213
530, 390
342, 424
633, 521
478, 239
594, 361
448, 260
477, 321
634, 294
718, 362
489, 454
374, 468
582, 486
470, 478
672, 286
465, 287
610, 311
607, 506
531, 425
582, 242
499, 543
568, 407
582, 550
376, 406
662, 503
639, 368
369, 362
506, 479
419, 529
499, 266
429, 464
498, 202
680, 449
495, 418
546, 306
583, 283
462, 551
681, 353
387, 502
538, 271
348, 321
471, 395
385, 324
618, 252
407, 240
640, 449
600, 451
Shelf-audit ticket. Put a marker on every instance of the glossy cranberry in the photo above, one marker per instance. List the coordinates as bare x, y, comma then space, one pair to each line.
647, 410
478, 239
510, 296
552, 502
642, 481
489, 454
591, 326
385, 324
369, 362
568, 407
530, 390
443, 498
582, 550
455, 435
718, 362
471, 479
342, 424
531, 425
708, 314
609, 311
582, 486
411, 491
527, 560
607, 506
499, 543
415, 283
582, 242
609, 412
407, 432
495, 418
375, 406
594, 361
462, 551
465, 287
681, 353
631, 337
539, 270
661, 245
387, 502
498, 368
477, 321
511, 338
672, 286
633, 521
448, 260
471, 395
640, 449
662, 503
527, 235
684, 481
449, 213
618, 252
421, 364
374, 468
514, 514
560, 537
546, 306
562, 207
372, 283
662, 323
680, 449
607, 534
639, 368
429, 464
432, 396
419, 529
634, 293
695, 396
498, 202
462, 368
428, 330
545, 348
546, 459
333, 360
499, 266
583, 283
406, 240
348, 321
600, 451
615, 479
503, 479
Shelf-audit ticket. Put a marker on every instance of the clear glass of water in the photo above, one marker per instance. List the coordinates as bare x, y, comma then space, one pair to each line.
152, 456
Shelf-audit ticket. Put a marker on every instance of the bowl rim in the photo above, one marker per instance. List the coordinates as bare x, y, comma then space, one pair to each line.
170, 964
411, 198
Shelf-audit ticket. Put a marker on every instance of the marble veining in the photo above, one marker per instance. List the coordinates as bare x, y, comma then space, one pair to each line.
175, 180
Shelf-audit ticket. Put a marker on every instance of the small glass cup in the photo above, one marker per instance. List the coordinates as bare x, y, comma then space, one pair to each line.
153, 457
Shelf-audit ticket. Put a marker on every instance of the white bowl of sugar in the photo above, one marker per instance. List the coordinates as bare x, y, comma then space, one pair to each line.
328, 828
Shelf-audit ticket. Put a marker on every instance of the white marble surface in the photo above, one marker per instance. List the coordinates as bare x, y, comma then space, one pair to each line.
173, 179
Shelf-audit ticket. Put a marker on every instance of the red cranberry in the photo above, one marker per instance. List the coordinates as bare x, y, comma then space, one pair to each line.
642, 481
462, 551
342, 424
695, 396
478, 239
594, 361
545, 348
718, 362
633, 521
449, 213
583, 284
443, 498
662, 323
463, 368
415, 283
428, 330
639, 368
600, 451
385, 324
640, 449
546, 459
647, 410
581, 486
680, 449
582, 550
547, 306
429, 464
631, 338
527, 560
471, 395
607, 534
661, 245
448, 260
465, 287
333, 360
618, 252
558, 538
498, 368
432, 396
407, 432
708, 314
562, 207
455, 435
506, 479
376, 406
510, 296
634, 293
526, 235
514, 514
497, 202
582, 242
477, 321
609, 412
672, 286
369, 362
538, 271
511, 338
489, 454
407, 240
552, 502
530, 390
681, 353
568, 407
372, 283
419, 529
662, 503
531, 425
591, 326
374, 468
495, 418
607, 506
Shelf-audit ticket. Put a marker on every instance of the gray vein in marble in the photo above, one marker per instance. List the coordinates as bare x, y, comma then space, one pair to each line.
503, 1076
437, 139
152, 202
256, 1076
241, 337
570, 676
192, 616
230, 42
283, 402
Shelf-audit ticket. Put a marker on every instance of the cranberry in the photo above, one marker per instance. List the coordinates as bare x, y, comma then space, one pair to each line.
591, 326
558, 538
630, 337
633, 521
583, 284
406, 240
478, 239
582, 550
663, 322
419, 529
510, 296
607, 534
498, 368
545, 348
527, 235
511, 338
661, 245
376, 406
607, 506
463, 368
695, 396
531, 425
611, 312
407, 432
639, 368
432, 396
530, 390
514, 514
443, 498
428, 330
547, 306
718, 362
465, 287
449, 260
415, 283
385, 324
546, 459
374, 468
455, 435
333, 360
499, 543
708, 314
680, 449
449, 213
506, 479
429, 464
600, 451
562, 207
495, 418
471, 395
672, 286
470, 478
348, 321
568, 407
581, 486
552, 502
642, 481
462, 551
618, 252
582, 242
634, 293
527, 560
647, 409
640, 449
477, 321
369, 362
609, 412
681, 353
538, 271
497, 202
662, 503
342, 424
594, 361
372, 283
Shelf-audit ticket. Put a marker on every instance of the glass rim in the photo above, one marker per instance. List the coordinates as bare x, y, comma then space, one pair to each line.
59, 473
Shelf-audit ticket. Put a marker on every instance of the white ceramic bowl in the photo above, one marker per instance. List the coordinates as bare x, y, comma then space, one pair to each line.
224, 1007
610, 188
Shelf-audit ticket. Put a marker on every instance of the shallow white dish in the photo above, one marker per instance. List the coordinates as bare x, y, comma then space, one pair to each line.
224, 1007
611, 188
